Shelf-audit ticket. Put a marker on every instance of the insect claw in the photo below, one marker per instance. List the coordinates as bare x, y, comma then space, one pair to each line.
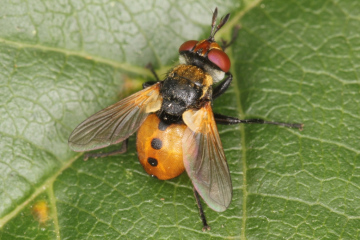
206, 228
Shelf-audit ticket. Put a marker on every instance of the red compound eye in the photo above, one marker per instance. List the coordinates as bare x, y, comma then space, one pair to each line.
220, 59
188, 45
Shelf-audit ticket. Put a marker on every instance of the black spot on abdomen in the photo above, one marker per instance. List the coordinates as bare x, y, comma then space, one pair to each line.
152, 161
156, 143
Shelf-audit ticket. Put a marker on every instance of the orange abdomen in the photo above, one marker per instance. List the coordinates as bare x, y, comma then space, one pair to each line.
159, 148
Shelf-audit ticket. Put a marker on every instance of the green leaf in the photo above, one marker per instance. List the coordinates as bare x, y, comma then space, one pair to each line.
294, 61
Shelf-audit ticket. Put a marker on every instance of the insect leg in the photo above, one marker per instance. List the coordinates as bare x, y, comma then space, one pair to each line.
221, 119
223, 86
201, 211
151, 68
122, 150
225, 44
148, 84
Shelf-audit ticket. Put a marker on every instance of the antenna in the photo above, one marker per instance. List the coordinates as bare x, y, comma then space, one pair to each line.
222, 22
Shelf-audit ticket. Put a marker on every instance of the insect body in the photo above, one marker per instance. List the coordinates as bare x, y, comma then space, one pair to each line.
175, 123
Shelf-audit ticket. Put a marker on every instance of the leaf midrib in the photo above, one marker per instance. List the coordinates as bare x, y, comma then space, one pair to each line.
234, 22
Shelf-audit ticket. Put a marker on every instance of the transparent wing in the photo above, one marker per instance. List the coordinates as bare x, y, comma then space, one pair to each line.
204, 158
117, 122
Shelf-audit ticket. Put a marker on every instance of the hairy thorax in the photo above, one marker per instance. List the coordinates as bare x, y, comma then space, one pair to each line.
185, 87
